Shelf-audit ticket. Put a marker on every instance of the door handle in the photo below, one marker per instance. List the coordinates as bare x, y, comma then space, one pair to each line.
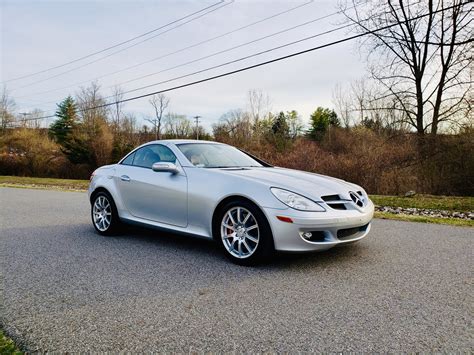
124, 178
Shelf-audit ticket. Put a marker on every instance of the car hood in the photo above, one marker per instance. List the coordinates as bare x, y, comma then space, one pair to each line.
307, 184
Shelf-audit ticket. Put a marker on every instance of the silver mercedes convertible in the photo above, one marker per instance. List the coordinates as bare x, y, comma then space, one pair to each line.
216, 191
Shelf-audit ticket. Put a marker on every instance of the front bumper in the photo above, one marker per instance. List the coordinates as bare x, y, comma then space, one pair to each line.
328, 229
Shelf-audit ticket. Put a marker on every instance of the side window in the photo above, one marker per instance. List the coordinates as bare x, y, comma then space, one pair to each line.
165, 153
128, 160
145, 157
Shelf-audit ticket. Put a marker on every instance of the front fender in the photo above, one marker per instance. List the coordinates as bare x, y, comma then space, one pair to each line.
208, 188
105, 179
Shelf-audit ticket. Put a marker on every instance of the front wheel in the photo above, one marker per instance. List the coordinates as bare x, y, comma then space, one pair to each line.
244, 233
104, 214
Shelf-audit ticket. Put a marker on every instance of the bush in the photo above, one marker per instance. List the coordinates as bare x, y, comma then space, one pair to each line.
29, 152
448, 164
381, 162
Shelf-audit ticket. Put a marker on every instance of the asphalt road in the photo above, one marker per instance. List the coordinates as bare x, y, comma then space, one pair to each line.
406, 287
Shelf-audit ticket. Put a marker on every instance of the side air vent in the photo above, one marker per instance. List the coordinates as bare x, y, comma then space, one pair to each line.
337, 206
335, 202
329, 198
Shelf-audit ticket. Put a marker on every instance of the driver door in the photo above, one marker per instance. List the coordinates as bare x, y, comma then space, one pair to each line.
155, 196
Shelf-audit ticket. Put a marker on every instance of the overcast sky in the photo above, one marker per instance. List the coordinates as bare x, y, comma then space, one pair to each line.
38, 35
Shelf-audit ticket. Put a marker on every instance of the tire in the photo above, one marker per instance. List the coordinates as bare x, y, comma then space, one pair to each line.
104, 214
243, 232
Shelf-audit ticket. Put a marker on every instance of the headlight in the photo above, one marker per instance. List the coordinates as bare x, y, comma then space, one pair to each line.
298, 202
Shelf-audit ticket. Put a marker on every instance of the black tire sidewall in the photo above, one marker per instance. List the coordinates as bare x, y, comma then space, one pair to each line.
265, 246
115, 219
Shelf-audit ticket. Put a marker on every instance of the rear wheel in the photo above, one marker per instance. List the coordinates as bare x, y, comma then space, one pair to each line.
244, 233
104, 214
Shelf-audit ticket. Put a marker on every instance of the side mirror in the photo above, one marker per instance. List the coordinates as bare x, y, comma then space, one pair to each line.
165, 168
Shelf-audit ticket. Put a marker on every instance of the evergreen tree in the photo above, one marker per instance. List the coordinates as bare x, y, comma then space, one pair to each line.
280, 132
62, 129
280, 126
321, 119
77, 149
67, 131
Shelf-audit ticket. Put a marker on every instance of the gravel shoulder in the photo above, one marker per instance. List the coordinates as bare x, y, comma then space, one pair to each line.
406, 287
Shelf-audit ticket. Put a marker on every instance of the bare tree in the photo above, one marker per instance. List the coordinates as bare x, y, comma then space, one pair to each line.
117, 94
360, 93
7, 107
90, 105
178, 126
94, 128
342, 102
128, 130
259, 104
363, 101
295, 124
234, 125
259, 109
423, 60
160, 103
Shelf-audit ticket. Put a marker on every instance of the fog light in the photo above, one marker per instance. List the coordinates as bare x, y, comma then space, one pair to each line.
307, 235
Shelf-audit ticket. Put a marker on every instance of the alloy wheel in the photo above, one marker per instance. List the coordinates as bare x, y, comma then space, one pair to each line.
240, 232
102, 213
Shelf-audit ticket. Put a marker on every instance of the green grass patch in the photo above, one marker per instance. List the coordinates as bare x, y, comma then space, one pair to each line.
33, 182
423, 219
7, 346
448, 203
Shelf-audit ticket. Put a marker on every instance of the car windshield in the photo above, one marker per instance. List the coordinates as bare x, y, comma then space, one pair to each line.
203, 155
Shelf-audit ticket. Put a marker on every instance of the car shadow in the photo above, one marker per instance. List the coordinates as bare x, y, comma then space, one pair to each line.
207, 247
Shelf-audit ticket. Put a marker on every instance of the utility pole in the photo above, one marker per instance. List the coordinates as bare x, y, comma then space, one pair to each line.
24, 114
196, 119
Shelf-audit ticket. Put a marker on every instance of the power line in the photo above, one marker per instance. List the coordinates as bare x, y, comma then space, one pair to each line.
113, 46
236, 60
329, 44
24, 114
232, 61
244, 44
123, 49
232, 48
181, 50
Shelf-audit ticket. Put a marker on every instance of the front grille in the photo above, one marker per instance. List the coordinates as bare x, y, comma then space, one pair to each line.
356, 198
351, 233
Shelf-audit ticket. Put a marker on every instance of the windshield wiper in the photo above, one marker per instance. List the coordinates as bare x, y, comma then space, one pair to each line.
221, 167
233, 166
